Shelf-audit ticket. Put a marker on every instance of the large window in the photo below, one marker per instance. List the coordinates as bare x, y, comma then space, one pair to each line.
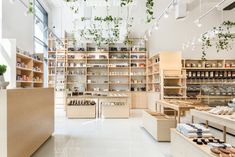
40, 28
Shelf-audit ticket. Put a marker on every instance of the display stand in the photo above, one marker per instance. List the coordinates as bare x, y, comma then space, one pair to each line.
108, 108
222, 120
178, 109
181, 146
158, 125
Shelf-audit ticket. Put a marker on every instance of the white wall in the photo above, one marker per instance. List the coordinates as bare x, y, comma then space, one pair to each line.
173, 33
18, 25
0, 19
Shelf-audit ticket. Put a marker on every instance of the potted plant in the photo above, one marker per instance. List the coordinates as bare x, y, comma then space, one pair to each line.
3, 69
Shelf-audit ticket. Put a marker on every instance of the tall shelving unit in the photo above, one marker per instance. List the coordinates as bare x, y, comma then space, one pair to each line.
169, 80
212, 81
29, 70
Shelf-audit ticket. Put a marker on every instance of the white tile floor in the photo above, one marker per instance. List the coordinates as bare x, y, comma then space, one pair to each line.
101, 138
106, 138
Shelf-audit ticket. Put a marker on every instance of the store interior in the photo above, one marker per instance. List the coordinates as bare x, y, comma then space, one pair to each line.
130, 78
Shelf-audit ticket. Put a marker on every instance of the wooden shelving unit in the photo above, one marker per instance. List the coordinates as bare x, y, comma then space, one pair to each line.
210, 80
29, 70
167, 79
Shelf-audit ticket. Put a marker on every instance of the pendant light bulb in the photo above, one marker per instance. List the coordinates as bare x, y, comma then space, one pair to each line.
145, 38
149, 33
156, 26
12, 1
166, 15
198, 23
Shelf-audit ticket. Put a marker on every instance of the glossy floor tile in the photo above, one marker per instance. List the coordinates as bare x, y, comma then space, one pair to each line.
102, 138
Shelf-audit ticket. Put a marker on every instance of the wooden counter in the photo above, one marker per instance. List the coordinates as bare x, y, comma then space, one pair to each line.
26, 120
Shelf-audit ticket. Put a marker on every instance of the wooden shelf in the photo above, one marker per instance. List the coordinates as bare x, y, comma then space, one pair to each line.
39, 72
23, 56
24, 81
24, 69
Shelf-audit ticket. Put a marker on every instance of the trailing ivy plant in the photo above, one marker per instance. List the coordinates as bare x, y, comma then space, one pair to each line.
149, 10
222, 38
30, 7
97, 34
125, 2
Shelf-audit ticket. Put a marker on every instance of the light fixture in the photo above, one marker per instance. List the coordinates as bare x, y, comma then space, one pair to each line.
12, 1
198, 23
149, 32
145, 37
166, 15
156, 26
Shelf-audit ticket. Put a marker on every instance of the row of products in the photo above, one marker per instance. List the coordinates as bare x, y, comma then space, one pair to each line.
97, 56
207, 65
113, 103
21, 64
37, 79
218, 90
222, 110
141, 65
211, 74
75, 72
138, 89
51, 49
138, 56
193, 130
37, 68
58, 72
118, 73
26, 53
75, 56
119, 56
210, 65
82, 103
137, 81
76, 49
22, 78
91, 81
97, 73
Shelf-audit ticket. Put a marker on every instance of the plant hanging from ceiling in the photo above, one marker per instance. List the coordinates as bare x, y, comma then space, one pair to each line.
97, 34
220, 36
149, 10
30, 7
125, 2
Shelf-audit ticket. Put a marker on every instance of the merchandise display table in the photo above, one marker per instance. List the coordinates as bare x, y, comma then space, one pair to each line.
182, 146
158, 125
26, 120
177, 107
107, 106
222, 120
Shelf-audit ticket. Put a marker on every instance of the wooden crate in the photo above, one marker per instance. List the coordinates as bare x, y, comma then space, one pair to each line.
81, 111
158, 125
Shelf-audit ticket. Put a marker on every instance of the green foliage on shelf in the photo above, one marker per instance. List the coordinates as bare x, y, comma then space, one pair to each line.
3, 69
222, 39
125, 2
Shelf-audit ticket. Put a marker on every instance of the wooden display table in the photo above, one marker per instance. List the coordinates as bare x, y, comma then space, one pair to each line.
180, 108
158, 125
222, 120
114, 111
182, 146
100, 110
26, 120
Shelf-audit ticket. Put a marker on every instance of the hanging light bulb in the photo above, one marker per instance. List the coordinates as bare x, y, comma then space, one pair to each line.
145, 38
149, 32
12, 1
198, 23
166, 15
156, 26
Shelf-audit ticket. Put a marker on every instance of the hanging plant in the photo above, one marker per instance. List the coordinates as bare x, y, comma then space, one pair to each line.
75, 9
30, 7
220, 36
125, 2
149, 10
97, 34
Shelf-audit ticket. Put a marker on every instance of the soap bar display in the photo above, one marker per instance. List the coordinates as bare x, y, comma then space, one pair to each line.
81, 103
